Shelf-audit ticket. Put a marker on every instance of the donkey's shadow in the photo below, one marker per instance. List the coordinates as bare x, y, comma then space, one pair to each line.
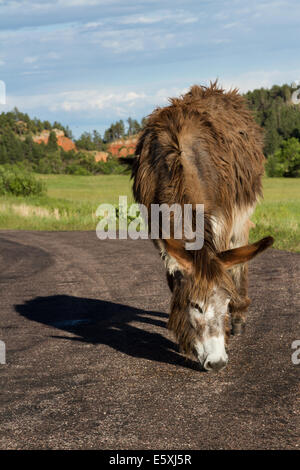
101, 322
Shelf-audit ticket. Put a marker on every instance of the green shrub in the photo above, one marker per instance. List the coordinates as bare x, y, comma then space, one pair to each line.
111, 167
286, 161
52, 163
76, 169
273, 166
16, 181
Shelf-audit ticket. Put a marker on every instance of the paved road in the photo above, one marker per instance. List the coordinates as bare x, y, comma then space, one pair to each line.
90, 363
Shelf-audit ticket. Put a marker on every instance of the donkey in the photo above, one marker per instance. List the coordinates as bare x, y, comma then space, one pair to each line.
205, 148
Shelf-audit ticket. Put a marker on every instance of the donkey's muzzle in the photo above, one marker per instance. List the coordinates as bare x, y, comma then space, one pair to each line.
214, 366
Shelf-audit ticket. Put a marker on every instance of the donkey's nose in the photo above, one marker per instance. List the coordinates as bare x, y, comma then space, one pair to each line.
215, 365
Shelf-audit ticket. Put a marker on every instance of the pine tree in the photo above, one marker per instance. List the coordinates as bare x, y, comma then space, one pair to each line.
52, 142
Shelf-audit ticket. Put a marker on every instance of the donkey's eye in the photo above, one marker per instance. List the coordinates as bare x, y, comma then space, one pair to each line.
197, 306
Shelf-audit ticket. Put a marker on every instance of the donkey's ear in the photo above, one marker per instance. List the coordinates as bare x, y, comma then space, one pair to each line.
182, 256
240, 255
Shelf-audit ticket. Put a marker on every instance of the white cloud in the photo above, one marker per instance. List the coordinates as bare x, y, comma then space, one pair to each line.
53, 55
220, 40
259, 79
117, 102
79, 3
44, 5
180, 16
131, 40
93, 24
30, 60
118, 50
119, 46
92, 100
231, 25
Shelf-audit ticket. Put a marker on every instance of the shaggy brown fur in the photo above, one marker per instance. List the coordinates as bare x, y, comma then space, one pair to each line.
204, 148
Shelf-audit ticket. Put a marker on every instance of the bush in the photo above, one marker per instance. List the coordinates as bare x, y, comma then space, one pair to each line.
16, 181
76, 169
111, 166
286, 161
52, 163
274, 167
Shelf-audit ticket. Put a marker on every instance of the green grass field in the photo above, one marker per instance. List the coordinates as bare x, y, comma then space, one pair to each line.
279, 213
71, 202
94, 189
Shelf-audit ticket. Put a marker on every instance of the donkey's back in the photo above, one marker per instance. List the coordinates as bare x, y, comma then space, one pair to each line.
203, 148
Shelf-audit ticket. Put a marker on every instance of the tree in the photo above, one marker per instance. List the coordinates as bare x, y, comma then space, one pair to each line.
85, 141
97, 140
273, 110
115, 131
52, 142
68, 133
286, 161
3, 154
133, 126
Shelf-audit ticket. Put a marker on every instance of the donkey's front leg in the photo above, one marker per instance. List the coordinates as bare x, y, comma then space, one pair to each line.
179, 320
239, 273
181, 326
238, 309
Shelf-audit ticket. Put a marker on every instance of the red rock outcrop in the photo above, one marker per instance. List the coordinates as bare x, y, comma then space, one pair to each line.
101, 156
123, 147
63, 141
118, 148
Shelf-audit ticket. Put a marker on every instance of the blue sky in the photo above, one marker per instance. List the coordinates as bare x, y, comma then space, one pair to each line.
87, 63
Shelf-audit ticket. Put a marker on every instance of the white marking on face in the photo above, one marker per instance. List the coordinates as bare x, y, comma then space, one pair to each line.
210, 349
215, 349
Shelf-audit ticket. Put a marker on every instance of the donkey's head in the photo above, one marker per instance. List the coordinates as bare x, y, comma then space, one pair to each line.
202, 291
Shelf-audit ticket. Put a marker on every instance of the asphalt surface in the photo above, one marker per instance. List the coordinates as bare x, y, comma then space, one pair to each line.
91, 365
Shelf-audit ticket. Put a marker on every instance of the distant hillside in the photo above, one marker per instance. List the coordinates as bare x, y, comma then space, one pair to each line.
21, 124
50, 148
118, 140
275, 112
